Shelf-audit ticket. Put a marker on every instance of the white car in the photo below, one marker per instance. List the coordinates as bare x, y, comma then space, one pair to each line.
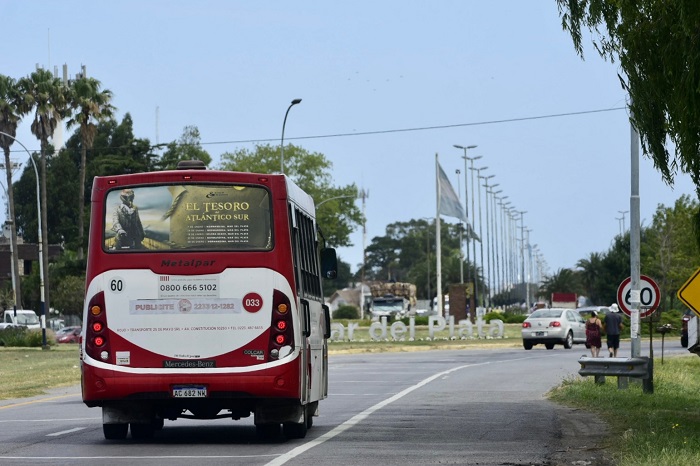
553, 326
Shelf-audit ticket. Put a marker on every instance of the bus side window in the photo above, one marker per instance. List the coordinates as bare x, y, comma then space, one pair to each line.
329, 263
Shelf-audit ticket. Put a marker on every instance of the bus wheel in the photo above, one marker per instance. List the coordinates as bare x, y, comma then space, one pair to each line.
267, 431
297, 430
115, 431
142, 431
310, 409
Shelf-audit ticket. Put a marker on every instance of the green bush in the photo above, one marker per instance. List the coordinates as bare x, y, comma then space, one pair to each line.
506, 317
420, 320
346, 312
22, 337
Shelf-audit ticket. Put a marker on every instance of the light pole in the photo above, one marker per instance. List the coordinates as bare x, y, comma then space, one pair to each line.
487, 276
623, 212
481, 238
473, 223
461, 251
14, 251
42, 280
522, 252
494, 242
284, 123
466, 202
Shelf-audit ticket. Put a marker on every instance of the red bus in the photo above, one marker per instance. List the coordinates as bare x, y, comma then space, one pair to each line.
204, 300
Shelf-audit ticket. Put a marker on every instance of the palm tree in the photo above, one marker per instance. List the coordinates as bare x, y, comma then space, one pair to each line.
12, 109
93, 106
591, 274
49, 98
562, 281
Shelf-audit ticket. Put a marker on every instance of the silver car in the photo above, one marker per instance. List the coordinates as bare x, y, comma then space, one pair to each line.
554, 326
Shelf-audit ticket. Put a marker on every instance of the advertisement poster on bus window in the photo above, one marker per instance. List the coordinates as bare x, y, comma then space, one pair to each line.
182, 217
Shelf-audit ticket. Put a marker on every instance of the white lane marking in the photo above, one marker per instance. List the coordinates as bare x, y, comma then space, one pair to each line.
131, 458
63, 432
2, 421
356, 419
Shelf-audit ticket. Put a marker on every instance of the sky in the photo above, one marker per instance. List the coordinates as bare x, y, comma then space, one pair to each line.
385, 86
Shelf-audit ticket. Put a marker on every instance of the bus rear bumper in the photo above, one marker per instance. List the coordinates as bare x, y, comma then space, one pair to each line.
104, 386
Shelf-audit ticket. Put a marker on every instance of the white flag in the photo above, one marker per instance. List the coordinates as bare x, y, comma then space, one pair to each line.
448, 201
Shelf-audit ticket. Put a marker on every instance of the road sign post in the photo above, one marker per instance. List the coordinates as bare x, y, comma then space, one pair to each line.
647, 297
689, 293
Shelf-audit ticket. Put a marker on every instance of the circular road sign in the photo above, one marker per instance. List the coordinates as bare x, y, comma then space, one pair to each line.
649, 296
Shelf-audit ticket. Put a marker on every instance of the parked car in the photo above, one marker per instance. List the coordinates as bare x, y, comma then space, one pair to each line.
554, 326
684, 328
68, 335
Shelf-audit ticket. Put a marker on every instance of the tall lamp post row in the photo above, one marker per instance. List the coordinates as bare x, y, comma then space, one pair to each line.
42, 280
502, 267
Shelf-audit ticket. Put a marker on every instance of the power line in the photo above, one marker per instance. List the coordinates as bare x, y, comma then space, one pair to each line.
399, 130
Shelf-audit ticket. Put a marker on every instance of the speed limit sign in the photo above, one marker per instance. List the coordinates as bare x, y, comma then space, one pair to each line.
649, 296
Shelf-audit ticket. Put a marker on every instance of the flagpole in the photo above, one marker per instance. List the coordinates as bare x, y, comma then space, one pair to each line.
438, 245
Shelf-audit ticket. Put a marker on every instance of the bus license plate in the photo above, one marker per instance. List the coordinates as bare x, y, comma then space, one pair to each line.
190, 392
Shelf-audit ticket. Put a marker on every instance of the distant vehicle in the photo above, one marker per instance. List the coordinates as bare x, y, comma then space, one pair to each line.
68, 335
392, 300
4, 325
684, 328
554, 326
586, 311
565, 300
24, 317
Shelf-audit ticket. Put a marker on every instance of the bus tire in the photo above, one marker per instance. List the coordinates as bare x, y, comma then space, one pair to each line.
267, 431
309, 415
297, 429
142, 431
115, 431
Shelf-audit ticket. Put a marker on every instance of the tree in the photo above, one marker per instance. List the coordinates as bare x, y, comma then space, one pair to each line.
92, 105
562, 281
49, 99
188, 147
674, 254
657, 44
336, 212
117, 150
406, 254
592, 272
12, 108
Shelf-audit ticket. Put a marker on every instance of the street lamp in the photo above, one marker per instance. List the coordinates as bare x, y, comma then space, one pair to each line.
334, 198
461, 251
522, 254
466, 204
39, 233
481, 238
14, 261
623, 212
487, 276
284, 123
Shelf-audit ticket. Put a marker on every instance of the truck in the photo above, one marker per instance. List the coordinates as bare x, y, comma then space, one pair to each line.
21, 317
565, 300
392, 300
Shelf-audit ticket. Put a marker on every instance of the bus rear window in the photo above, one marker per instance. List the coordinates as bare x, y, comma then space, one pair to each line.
182, 217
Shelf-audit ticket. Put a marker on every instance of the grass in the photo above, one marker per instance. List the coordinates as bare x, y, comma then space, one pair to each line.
647, 429
29, 372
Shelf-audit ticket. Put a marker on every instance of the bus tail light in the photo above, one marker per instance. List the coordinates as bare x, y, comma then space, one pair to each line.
281, 328
96, 340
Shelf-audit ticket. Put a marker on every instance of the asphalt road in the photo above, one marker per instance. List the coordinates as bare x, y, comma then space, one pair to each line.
483, 407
